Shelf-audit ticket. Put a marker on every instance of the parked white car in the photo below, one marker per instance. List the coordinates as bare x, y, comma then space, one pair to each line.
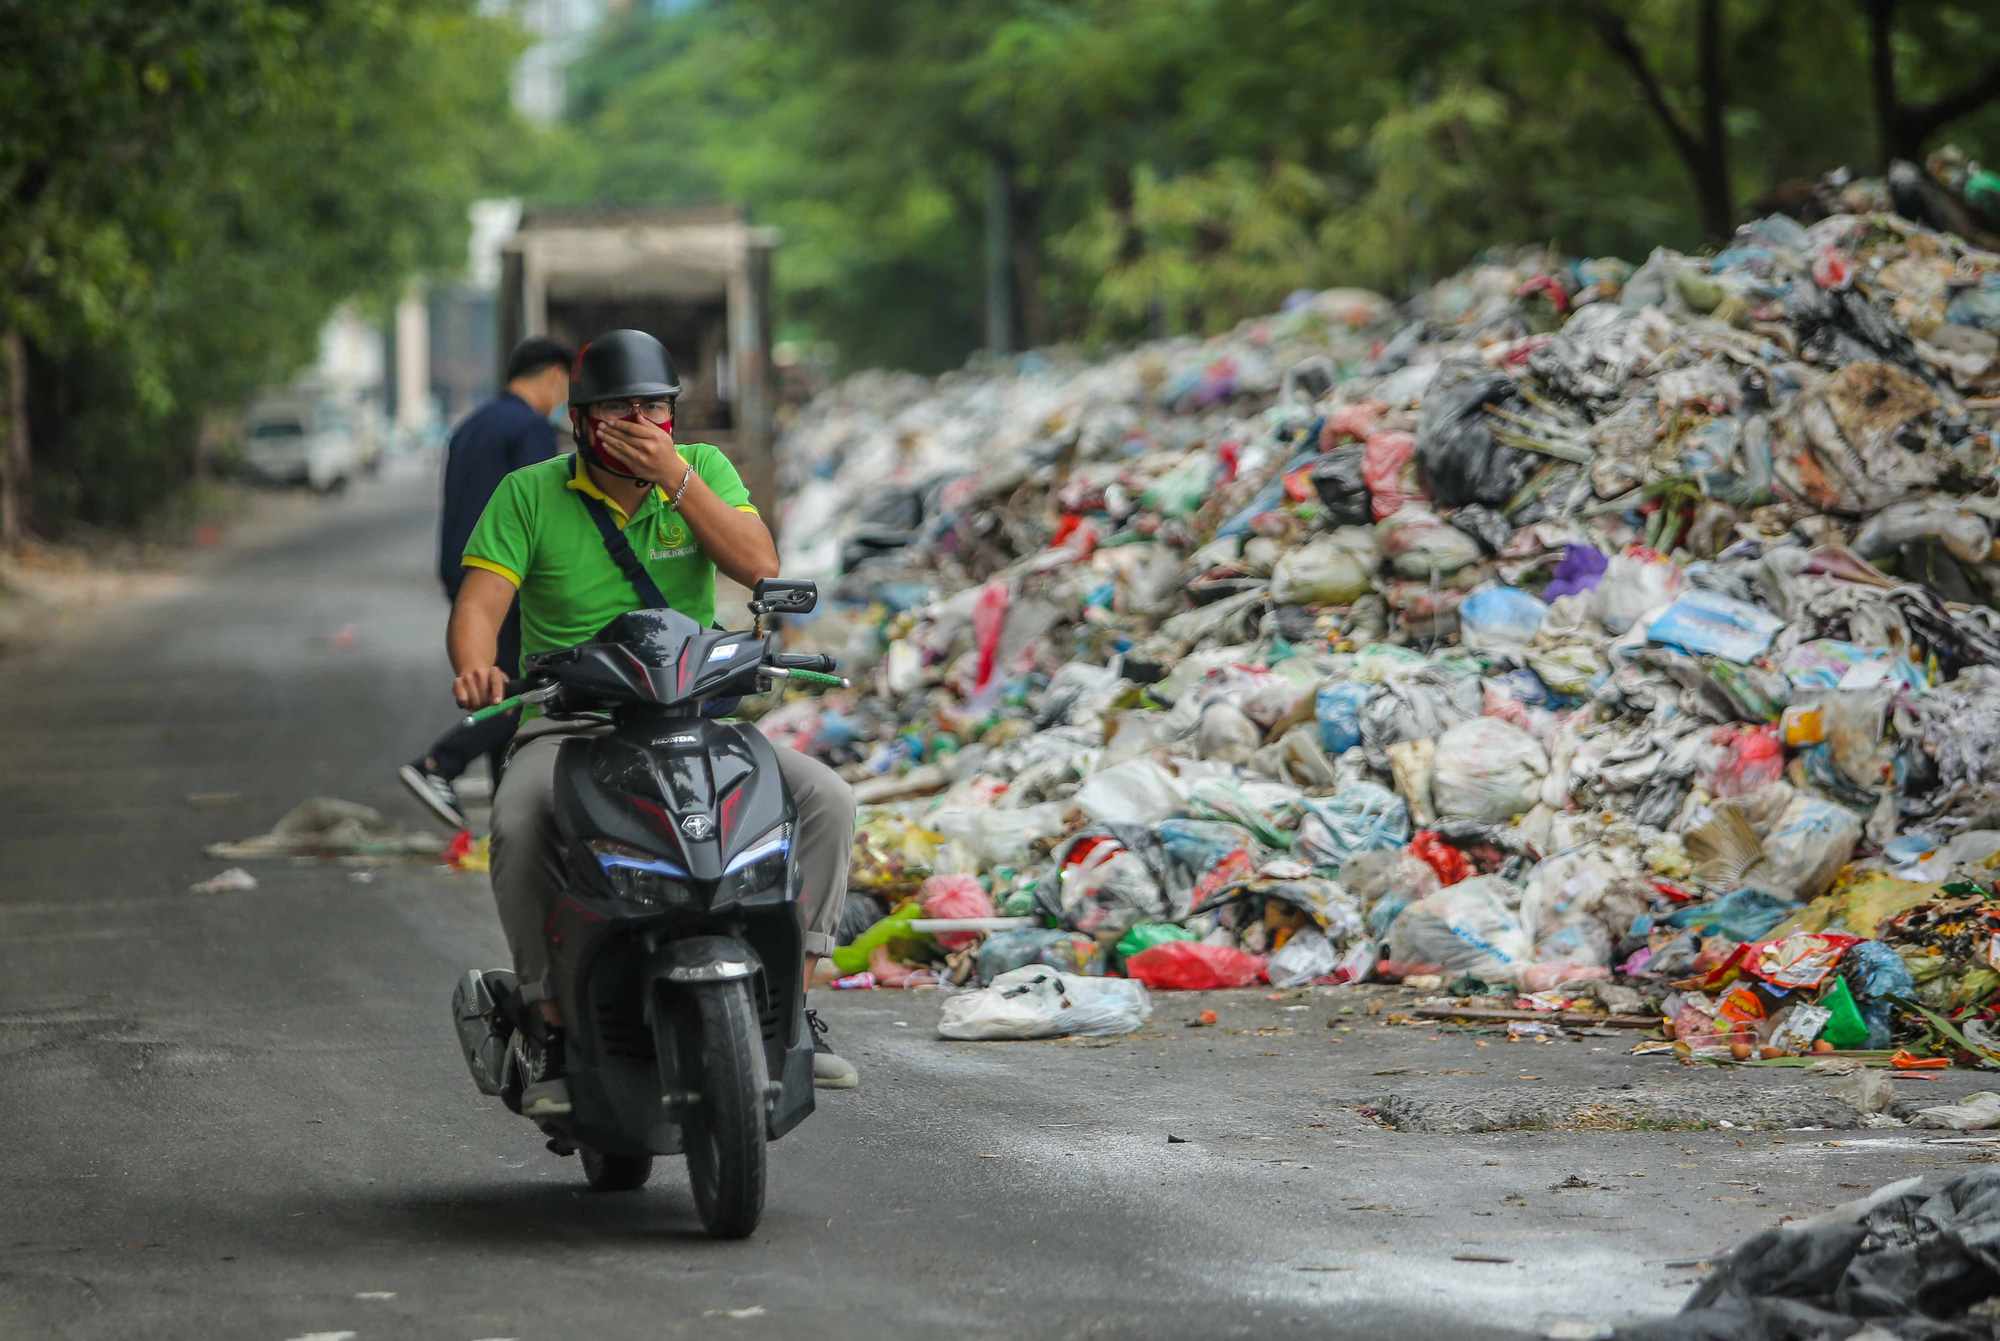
299, 441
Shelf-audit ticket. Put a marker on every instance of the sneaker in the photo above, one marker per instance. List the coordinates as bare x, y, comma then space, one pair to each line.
546, 1092
435, 791
831, 1071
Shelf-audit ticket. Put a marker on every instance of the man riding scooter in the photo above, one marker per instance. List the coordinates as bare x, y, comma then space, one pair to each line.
631, 519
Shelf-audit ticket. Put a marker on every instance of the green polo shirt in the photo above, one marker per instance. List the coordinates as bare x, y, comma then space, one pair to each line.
538, 535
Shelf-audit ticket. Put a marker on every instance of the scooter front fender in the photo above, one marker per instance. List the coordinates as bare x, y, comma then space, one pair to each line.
700, 959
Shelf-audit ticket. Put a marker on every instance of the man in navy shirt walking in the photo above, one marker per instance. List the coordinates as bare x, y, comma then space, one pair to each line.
506, 433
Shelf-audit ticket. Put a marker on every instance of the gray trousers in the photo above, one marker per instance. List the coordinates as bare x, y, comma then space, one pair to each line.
528, 866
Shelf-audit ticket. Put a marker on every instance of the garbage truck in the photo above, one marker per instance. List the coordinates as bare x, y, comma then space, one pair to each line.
697, 278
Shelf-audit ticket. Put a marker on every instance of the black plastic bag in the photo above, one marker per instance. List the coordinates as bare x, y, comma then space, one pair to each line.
1460, 460
1342, 490
1483, 524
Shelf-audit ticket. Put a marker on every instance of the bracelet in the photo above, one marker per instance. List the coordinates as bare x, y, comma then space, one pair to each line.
675, 501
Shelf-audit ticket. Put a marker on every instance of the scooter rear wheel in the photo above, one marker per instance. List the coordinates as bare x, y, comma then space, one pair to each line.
724, 1133
615, 1173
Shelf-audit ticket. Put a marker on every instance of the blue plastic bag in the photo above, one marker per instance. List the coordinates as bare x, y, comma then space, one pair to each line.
1743, 915
1877, 976
1338, 707
1362, 817
1709, 622
1270, 496
1500, 619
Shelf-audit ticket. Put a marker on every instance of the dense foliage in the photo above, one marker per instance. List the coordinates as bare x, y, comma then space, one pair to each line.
189, 188
1172, 165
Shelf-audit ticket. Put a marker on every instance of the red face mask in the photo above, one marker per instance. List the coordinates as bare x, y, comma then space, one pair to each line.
588, 432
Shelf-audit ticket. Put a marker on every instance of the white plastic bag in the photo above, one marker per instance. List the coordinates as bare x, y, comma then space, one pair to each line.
1487, 770
1464, 928
1975, 1112
1000, 837
1559, 908
1137, 791
1306, 956
1324, 572
1634, 585
1109, 890
1039, 1002
1225, 733
1806, 847
1420, 544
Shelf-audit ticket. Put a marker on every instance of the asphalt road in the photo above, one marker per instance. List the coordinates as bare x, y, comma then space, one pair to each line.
244, 1115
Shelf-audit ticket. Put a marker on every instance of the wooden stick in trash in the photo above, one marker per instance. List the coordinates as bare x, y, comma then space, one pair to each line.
1559, 1016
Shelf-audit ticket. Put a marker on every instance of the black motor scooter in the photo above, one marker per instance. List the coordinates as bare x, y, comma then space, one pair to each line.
676, 944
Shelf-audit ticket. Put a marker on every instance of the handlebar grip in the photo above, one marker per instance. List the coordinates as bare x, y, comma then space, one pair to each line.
807, 661
514, 687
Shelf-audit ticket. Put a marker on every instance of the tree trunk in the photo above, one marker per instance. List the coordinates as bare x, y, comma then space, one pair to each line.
14, 476
1881, 15
1902, 128
1000, 325
1031, 319
1718, 205
1704, 155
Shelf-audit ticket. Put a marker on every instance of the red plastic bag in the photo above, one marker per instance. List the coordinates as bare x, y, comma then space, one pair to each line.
1802, 959
1440, 856
1756, 759
1388, 469
1299, 486
956, 896
1350, 422
989, 613
1191, 966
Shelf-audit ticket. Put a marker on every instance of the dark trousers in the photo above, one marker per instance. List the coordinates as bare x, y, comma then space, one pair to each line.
453, 752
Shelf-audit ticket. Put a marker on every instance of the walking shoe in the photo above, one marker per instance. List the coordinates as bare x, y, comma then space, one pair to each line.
435, 791
546, 1092
831, 1071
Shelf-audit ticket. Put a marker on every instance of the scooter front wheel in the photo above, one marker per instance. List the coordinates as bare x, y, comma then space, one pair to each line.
724, 1132
615, 1173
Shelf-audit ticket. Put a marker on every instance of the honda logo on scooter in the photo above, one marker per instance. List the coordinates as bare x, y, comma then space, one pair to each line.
698, 827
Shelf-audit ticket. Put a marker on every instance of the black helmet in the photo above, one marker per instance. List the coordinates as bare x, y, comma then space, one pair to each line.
623, 365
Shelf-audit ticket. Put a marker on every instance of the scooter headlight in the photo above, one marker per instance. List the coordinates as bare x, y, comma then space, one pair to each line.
759, 867
776, 844
641, 878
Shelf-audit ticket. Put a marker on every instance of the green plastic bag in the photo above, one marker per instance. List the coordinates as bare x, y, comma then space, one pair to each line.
1845, 1027
1146, 935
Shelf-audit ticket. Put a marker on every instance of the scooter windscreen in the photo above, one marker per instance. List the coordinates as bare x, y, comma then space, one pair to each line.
654, 656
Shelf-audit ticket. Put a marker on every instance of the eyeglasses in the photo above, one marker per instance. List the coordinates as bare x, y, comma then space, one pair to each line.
658, 411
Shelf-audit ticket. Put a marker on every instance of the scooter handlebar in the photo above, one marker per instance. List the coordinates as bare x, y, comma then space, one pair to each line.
805, 661
518, 693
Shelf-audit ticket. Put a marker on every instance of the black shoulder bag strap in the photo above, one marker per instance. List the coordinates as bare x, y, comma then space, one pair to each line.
621, 553
648, 591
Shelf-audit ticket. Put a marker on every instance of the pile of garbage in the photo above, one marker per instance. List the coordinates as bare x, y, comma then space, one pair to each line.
1580, 635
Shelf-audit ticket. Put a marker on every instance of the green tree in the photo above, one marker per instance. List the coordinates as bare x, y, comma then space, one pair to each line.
1111, 168
187, 211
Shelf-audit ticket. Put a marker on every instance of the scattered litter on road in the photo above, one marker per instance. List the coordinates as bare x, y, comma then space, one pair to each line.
328, 827
235, 880
1036, 1002
1633, 664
